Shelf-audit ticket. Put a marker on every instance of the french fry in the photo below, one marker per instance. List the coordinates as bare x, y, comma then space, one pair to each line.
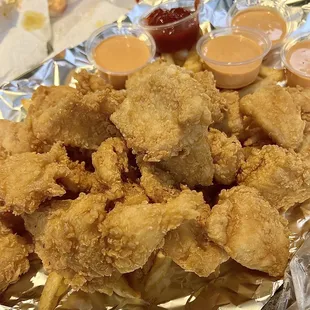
277, 74
270, 79
180, 57
26, 103
123, 289
53, 289
168, 58
193, 61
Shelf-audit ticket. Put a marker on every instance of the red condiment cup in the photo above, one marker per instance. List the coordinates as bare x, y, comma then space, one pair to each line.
178, 35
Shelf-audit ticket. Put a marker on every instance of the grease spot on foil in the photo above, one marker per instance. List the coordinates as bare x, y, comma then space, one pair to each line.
100, 23
33, 20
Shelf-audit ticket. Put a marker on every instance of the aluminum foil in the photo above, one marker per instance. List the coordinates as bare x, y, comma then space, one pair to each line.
233, 286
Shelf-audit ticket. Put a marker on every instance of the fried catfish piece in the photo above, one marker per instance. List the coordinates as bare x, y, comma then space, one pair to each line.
227, 156
28, 179
61, 113
110, 163
159, 185
274, 110
189, 247
232, 122
67, 238
17, 138
206, 79
14, 257
281, 176
195, 168
165, 112
128, 244
250, 230
85, 244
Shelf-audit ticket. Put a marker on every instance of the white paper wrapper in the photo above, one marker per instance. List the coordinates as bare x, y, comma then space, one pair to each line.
21, 49
81, 19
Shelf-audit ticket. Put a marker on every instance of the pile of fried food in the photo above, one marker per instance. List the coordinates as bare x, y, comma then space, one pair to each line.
104, 180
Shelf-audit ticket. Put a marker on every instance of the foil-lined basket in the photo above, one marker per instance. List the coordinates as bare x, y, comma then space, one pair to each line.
166, 285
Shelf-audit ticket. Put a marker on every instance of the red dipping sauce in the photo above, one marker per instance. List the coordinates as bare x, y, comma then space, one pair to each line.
172, 29
163, 17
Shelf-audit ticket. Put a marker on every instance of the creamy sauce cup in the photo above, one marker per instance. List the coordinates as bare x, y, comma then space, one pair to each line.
248, 55
178, 35
295, 55
118, 77
276, 5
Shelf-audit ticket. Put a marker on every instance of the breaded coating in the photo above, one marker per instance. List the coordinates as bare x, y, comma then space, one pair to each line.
110, 162
227, 156
133, 233
158, 184
250, 230
67, 238
13, 258
281, 176
196, 168
206, 79
301, 97
79, 179
29, 179
87, 82
189, 247
79, 240
165, 116
61, 113
305, 145
133, 194
232, 122
275, 111
16, 138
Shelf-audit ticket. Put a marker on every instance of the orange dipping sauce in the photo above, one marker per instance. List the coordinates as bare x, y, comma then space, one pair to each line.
265, 19
298, 59
233, 59
117, 51
121, 54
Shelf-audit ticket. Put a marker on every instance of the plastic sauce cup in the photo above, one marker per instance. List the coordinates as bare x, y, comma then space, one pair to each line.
294, 74
234, 74
119, 77
277, 5
178, 35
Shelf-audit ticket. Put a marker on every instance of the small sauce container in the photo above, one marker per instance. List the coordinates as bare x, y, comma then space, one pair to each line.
295, 55
173, 36
271, 17
119, 50
234, 55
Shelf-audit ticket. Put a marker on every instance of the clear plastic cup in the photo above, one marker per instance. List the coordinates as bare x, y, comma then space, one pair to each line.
294, 75
118, 79
178, 35
277, 5
234, 75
